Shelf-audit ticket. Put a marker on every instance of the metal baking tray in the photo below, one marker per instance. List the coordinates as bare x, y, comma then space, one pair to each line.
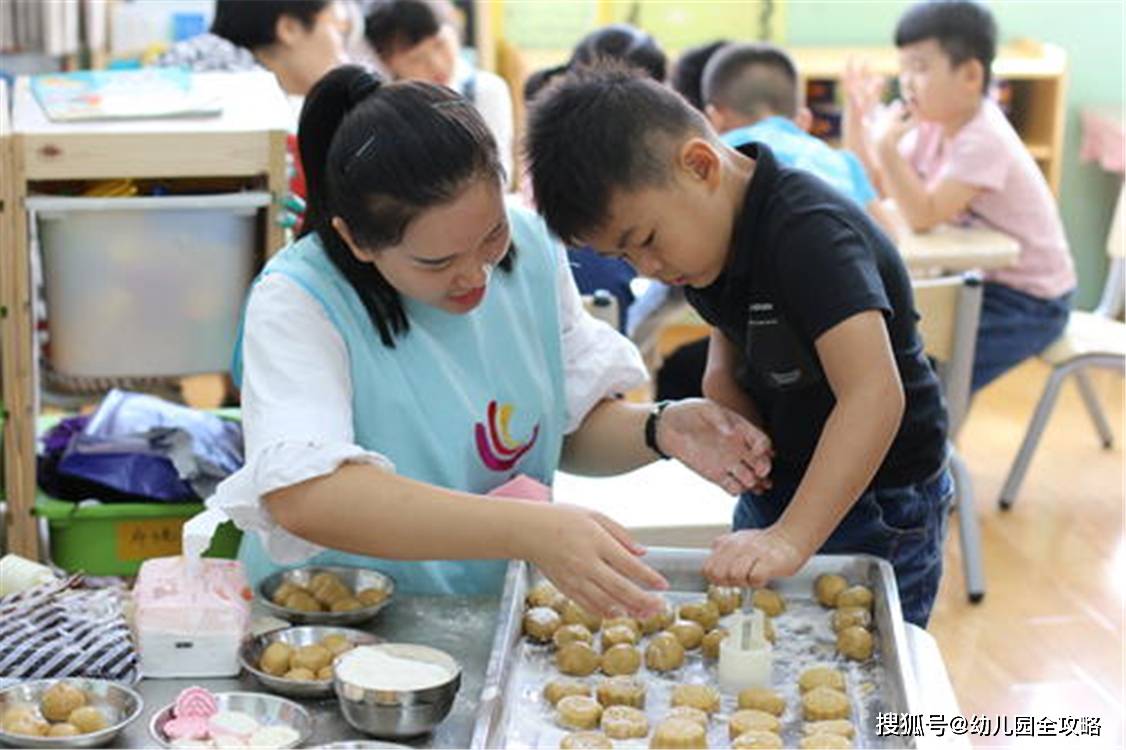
514, 714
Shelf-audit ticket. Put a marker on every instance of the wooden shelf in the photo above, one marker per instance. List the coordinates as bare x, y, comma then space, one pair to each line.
1040, 151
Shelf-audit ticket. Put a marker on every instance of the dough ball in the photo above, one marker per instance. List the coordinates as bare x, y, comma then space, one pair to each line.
756, 738
346, 604
300, 673
762, 699
59, 700
282, 592
705, 612
621, 659
325, 673
88, 719
311, 657
821, 676
855, 596
769, 601
703, 697
586, 741
28, 726
827, 587
63, 730
624, 722
330, 593
628, 622
688, 632
18, 713
691, 714
302, 601
621, 691
618, 635
824, 742
571, 634
727, 598
840, 727
578, 712
336, 644
577, 659
556, 690
544, 594
540, 623
748, 719
823, 703
674, 734
574, 614
275, 659
710, 644
659, 621
325, 578
855, 642
664, 653
371, 597
768, 628
847, 617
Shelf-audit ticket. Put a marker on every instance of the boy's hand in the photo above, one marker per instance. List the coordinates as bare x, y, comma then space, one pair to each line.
753, 557
717, 444
899, 121
862, 88
593, 560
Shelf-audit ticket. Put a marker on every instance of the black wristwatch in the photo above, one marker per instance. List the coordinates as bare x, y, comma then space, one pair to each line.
651, 428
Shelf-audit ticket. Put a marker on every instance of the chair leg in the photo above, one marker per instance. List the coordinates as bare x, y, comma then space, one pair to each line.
1091, 401
969, 533
1031, 438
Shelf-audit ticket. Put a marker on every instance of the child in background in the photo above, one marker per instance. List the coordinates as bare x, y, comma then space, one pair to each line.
814, 337
949, 153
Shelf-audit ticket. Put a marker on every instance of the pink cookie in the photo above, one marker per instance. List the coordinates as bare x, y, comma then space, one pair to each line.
195, 701
187, 727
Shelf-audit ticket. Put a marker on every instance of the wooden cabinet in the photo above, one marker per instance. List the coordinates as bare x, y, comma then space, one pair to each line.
1031, 78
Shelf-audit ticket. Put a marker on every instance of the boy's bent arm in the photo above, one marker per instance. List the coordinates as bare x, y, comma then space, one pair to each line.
922, 208
719, 379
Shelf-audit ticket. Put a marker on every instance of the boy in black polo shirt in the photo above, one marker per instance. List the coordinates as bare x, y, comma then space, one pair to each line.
813, 325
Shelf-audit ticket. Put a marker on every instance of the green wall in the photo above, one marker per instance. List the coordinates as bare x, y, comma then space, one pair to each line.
1090, 31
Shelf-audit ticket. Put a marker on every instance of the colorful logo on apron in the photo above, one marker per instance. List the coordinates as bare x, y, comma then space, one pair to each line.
495, 445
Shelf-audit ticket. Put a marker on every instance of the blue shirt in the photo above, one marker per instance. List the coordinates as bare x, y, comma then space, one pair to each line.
796, 148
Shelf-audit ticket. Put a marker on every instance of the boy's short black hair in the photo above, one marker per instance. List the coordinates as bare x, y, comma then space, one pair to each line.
756, 79
393, 24
600, 129
688, 73
253, 23
964, 29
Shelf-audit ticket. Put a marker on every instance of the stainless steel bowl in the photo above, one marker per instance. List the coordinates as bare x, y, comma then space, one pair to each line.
399, 713
267, 710
250, 652
121, 706
362, 745
357, 579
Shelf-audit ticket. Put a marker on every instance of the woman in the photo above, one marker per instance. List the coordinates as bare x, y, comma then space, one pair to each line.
422, 344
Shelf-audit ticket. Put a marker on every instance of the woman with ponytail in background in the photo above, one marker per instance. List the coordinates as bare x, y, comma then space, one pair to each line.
422, 344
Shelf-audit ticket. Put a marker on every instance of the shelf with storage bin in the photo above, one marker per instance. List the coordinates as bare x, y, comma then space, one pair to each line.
238, 151
1035, 75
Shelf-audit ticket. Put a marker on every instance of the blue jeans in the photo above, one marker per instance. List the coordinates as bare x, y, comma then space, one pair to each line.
1014, 326
904, 525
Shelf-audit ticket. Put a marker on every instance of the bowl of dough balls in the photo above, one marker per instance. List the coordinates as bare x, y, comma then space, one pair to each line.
326, 595
66, 713
298, 661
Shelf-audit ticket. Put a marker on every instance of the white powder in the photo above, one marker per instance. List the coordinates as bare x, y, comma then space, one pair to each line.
373, 668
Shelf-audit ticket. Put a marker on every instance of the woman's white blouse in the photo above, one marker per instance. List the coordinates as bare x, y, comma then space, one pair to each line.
297, 396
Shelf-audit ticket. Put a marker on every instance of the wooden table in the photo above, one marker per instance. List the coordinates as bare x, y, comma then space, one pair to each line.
951, 248
246, 141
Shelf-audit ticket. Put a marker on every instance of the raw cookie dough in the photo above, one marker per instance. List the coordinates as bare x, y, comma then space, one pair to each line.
748, 719
823, 703
571, 633
689, 713
621, 659
617, 635
556, 690
624, 722
578, 712
855, 642
573, 613
727, 598
703, 697
540, 623
544, 594
674, 734
664, 653
710, 644
705, 612
762, 699
769, 601
59, 700
659, 621
87, 719
821, 676
586, 741
827, 587
621, 691
629, 622
577, 659
846, 617
688, 632
855, 596
757, 738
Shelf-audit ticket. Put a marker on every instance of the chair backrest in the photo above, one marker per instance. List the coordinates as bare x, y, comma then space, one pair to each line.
950, 310
1114, 291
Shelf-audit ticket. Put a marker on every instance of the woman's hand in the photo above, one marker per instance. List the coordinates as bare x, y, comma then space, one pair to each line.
753, 557
593, 560
717, 444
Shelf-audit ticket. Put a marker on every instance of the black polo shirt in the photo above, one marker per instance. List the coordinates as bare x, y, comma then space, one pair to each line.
803, 259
